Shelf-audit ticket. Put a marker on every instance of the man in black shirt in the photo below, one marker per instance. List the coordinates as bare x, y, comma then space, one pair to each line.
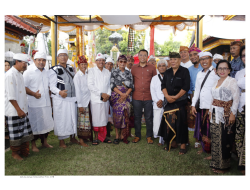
175, 85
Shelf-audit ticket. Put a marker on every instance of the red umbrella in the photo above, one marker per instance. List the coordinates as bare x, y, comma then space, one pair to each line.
136, 59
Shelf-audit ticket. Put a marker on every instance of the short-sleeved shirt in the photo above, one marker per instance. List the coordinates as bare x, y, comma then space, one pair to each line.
236, 65
142, 78
174, 83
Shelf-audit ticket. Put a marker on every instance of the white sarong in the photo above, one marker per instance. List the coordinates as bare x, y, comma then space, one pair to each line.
65, 116
100, 113
156, 124
41, 120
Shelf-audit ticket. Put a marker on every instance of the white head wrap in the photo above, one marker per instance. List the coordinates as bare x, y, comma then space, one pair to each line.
151, 57
217, 56
62, 51
40, 55
202, 54
166, 58
21, 57
99, 56
162, 61
109, 59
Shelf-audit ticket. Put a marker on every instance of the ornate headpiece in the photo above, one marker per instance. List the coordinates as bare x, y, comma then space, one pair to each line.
34, 52
82, 59
183, 48
122, 57
237, 43
193, 48
174, 55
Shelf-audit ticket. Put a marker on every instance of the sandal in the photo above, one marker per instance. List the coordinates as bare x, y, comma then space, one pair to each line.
116, 141
95, 142
136, 139
107, 141
183, 151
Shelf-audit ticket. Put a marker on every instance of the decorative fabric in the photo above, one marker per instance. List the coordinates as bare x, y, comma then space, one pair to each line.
34, 52
236, 43
19, 130
23, 148
99, 56
204, 132
122, 57
240, 138
220, 145
121, 111
84, 127
193, 48
102, 132
174, 55
119, 78
131, 40
82, 59
183, 48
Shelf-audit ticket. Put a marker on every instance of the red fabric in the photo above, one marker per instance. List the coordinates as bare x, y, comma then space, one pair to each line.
102, 132
152, 39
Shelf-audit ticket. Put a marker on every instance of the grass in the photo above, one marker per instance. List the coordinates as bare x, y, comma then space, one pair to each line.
110, 159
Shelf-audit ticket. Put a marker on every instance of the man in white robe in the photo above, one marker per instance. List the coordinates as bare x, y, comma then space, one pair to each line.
99, 86
37, 88
158, 98
16, 108
64, 99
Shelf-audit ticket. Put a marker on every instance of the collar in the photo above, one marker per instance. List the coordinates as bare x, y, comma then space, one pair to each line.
81, 73
186, 62
140, 66
210, 68
15, 70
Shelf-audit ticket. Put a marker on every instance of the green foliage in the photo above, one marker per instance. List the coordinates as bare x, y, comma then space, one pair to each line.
103, 45
49, 46
187, 41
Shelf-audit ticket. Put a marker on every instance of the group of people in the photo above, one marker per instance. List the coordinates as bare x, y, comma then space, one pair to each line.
189, 90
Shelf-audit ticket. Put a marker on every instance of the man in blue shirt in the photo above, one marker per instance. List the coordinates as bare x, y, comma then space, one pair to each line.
236, 63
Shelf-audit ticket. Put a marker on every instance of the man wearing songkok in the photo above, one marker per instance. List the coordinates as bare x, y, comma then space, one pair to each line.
193, 71
142, 74
37, 88
130, 62
99, 86
175, 86
84, 126
236, 63
185, 62
109, 65
202, 99
63, 99
16, 108
158, 98
217, 57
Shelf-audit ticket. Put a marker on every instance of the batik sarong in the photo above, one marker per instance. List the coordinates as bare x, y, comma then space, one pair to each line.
121, 111
221, 145
240, 138
19, 130
190, 117
84, 127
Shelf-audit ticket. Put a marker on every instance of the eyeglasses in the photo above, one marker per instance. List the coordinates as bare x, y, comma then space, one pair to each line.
223, 69
243, 56
122, 61
206, 58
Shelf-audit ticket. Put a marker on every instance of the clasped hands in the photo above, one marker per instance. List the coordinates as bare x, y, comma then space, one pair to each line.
123, 97
171, 99
105, 97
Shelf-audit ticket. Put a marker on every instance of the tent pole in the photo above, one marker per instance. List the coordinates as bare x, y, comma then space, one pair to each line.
201, 34
53, 43
55, 40
197, 33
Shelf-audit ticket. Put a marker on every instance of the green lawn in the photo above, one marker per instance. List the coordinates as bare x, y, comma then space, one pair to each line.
111, 159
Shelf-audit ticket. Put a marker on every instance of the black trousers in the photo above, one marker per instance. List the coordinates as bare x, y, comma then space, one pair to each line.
148, 114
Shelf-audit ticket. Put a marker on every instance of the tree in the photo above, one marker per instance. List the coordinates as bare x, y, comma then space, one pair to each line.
103, 45
188, 38
49, 46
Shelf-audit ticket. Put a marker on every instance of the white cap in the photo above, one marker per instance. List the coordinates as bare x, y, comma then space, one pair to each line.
166, 58
99, 56
151, 57
21, 57
40, 55
62, 51
217, 56
109, 59
202, 54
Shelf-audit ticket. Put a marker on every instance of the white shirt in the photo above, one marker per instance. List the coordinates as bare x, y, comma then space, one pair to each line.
155, 90
15, 90
227, 91
240, 77
205, 94
36, 80
82, 90
187, 64
98, 82
128, 69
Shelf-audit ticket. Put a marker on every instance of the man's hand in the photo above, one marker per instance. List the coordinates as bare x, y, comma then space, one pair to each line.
194, 112
63, 93
170, 99
105, 97
20, 113
37, 95
231, 118
82, 110
159, 104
